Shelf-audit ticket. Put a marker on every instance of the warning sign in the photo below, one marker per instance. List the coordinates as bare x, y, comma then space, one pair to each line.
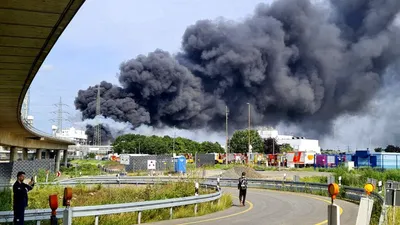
151, 164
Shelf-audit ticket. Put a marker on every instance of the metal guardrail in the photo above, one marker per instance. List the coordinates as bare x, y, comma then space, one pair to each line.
351, 193
82, 211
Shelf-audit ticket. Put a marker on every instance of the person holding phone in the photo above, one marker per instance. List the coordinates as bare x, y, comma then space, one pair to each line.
20, 190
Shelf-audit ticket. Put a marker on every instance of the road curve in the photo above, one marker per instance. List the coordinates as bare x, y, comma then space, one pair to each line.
273, 208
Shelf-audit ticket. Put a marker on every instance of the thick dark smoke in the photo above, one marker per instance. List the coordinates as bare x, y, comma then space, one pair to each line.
292, 61
104, 133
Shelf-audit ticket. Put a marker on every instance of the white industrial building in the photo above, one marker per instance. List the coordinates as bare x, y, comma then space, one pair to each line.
83, 150
75, 135
299, 144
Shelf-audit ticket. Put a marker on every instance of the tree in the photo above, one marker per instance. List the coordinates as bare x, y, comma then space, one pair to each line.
285, 148
271, 146
135, 143
209, 147
240, 139
392, 148
378, 149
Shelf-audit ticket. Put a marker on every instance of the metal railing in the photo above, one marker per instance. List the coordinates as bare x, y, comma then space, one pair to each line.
96, 211
350, 193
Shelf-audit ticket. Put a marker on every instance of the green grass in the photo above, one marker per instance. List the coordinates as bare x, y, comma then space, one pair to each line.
358, 178
88, 167
389, 218
102, 194
314, 179
94, 162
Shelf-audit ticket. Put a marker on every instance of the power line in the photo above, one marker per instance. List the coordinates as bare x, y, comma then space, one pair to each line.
60, 118
97, 130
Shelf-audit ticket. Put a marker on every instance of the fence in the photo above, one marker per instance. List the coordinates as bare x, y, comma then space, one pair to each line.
139, 163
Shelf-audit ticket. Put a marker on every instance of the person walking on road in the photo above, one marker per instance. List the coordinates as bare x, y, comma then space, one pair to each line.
242, 186
20, 190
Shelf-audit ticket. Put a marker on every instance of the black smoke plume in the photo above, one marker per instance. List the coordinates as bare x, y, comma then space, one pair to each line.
293, 61
105, 135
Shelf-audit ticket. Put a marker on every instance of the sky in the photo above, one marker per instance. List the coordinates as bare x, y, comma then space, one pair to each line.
103, 34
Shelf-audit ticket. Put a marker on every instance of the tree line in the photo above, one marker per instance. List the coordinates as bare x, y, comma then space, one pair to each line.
389, 148
135, 143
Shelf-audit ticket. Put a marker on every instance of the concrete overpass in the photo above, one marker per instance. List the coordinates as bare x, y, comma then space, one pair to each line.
28, 31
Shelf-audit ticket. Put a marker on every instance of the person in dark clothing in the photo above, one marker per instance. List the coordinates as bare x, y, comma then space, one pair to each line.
242, 186
20, 190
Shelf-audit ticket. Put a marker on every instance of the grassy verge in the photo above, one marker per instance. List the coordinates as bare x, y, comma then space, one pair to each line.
358, 178
389, 219
102, 194
89, 167
314, 179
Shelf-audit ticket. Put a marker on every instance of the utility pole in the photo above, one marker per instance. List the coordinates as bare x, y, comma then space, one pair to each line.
273, 146
227, 135
97, 129
60, 115
248, 158
173, 144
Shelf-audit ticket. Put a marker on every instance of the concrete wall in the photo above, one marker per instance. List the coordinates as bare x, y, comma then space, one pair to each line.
8, 171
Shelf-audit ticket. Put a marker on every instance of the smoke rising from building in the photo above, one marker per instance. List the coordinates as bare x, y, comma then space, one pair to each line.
293, 61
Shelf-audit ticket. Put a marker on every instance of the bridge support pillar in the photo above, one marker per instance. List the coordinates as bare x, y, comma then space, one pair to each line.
65, 155
47, 154
58, 159
24, 154
38, 153
13, 154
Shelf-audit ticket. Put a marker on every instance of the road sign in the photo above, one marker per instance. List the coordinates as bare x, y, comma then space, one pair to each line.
151, 164
124, 159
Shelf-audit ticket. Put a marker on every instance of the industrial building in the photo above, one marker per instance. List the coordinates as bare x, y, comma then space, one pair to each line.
299, 144
75, 135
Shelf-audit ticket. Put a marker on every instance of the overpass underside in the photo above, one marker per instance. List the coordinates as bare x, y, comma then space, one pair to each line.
28, 31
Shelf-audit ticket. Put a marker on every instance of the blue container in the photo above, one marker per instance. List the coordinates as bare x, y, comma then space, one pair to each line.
180, 164
373, 161
362, 153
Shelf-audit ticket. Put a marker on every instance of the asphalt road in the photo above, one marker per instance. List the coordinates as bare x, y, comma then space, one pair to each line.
273, 208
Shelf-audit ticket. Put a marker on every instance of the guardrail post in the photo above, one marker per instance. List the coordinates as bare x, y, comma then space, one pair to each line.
170, 213
139, 218
195, 209
38, 222
196, 189
96, 220
67, 216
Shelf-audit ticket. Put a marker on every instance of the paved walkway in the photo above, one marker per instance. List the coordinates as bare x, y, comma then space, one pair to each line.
274, 208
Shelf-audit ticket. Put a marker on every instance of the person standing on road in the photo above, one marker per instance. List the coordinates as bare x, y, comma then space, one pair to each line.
242, 186
20, 190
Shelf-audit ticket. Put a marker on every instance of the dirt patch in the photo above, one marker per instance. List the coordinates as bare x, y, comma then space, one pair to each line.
236, 172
